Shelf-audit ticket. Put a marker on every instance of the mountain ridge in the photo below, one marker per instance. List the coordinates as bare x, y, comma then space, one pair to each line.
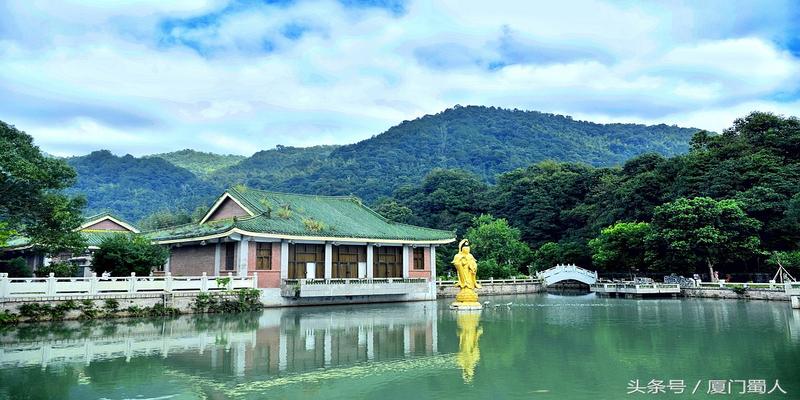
484, 141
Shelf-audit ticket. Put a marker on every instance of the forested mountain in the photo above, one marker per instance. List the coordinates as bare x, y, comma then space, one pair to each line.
198, 162
134, 187
485, 141
674, 214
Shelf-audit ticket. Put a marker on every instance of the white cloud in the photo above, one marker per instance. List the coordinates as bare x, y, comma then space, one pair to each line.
348, 74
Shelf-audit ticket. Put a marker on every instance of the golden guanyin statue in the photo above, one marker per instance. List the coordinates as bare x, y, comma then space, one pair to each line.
468, 352
467, 268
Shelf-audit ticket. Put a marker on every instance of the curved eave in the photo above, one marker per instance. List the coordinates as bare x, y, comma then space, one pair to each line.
302, 237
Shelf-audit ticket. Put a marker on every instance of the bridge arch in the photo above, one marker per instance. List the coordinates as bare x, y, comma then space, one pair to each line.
571, 272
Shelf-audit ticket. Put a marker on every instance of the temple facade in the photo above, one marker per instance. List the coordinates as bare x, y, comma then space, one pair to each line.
306, 249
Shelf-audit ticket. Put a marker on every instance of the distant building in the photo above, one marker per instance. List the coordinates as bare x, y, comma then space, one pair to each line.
306, 246
94, 230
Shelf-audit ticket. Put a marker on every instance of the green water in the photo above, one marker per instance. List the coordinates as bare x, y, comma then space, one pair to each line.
541, 346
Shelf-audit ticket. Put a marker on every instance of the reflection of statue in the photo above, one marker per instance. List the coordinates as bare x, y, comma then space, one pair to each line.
467, 268
468, 334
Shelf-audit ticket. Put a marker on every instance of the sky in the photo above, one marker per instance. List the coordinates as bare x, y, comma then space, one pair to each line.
237, 76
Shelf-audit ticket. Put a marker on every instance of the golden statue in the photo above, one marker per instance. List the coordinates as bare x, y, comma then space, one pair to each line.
467, 268
468, 352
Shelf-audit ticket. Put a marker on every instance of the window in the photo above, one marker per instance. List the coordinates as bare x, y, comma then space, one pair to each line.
419, 258
264, 256
230, 256
345, 260
388, 262
300, 254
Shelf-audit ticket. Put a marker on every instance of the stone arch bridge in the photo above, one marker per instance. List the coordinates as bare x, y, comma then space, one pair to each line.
572, 272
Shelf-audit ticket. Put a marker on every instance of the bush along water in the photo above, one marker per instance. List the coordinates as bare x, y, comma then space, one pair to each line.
86, 309
229, 301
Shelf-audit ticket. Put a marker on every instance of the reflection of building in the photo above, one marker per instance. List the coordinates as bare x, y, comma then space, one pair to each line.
274, 342
94, 230
307, 248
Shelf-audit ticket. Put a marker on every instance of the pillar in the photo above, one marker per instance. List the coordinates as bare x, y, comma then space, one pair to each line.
369, 262
244, 254
406, 260
433, 263
284, 260
328, 260
217, 258
169, 256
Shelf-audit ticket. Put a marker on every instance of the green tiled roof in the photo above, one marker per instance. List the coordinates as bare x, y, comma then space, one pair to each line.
93, 237
308, 215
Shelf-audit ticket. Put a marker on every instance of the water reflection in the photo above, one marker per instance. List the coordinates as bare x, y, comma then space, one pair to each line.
266, 343
469, 332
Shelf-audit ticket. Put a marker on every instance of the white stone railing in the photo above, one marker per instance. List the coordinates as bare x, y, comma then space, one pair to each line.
73, 286
492, 281
353, 287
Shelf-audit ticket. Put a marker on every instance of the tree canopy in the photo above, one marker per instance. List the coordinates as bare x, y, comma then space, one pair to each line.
32, 202
122, 254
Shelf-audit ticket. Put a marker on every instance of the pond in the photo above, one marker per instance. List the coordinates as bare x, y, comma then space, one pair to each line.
519, 347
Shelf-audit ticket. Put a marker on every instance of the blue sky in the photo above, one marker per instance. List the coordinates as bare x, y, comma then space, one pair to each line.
150, 76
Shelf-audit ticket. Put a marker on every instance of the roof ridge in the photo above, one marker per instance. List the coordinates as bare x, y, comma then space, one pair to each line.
330, 196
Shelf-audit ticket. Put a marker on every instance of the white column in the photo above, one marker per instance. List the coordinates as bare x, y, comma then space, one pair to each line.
406, 260
328, 260
369, 261
217, 258
284, 260
433, 263
244, 246
169, 256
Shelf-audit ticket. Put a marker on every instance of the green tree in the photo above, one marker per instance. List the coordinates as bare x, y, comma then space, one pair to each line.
547, 256
701, 231
394, 211
59, 269
122, 254
620, 247
31, 201
787, 259
493, 239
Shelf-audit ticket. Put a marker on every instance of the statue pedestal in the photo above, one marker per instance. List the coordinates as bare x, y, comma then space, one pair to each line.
466, 300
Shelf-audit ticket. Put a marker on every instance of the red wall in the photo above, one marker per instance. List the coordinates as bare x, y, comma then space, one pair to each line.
420, 273
266, 278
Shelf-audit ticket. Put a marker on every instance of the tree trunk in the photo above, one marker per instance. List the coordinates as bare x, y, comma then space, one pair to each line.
712, 278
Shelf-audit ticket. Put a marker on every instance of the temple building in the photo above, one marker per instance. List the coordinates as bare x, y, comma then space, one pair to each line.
306, 249
93, 230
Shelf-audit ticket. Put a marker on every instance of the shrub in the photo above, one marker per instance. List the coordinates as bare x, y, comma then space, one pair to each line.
8, 318
88, 310
35, 311
313, 225
16, 268
59, 269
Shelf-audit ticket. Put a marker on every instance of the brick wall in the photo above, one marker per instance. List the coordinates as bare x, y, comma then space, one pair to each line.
192, 260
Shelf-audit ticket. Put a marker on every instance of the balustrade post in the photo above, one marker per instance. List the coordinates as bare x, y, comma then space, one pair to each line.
4, 283
204, 283
51, 284
132, 284
168, 281
93, 283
